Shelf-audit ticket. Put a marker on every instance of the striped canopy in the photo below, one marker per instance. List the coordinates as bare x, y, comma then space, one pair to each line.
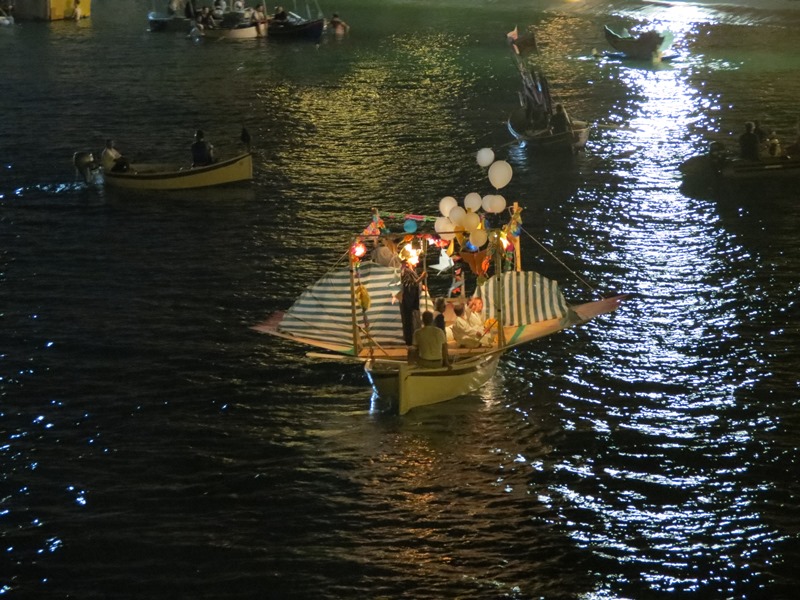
323, 312
527, 298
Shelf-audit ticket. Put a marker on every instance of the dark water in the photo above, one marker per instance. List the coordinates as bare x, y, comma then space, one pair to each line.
153, 446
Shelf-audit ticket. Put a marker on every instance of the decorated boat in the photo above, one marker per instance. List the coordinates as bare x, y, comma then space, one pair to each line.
352, 312
295, 27
649, 45
537, 122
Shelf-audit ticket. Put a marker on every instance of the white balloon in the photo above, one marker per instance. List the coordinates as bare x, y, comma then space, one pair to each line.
486, 202
478, 237
447, 236
498, 204
472, 201
500, 174
471, 221
457, 214
446, 204
442, 224
485, 157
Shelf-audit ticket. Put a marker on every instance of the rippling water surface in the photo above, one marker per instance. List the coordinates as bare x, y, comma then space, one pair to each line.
153, 446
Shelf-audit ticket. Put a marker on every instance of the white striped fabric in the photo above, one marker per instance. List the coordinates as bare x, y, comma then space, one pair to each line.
323, 312
527, 298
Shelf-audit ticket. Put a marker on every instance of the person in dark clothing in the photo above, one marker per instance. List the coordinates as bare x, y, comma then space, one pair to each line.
439, 305
202, 151
409, 302
560, 121
748, 142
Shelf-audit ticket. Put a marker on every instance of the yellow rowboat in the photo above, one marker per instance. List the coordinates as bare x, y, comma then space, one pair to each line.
170, 177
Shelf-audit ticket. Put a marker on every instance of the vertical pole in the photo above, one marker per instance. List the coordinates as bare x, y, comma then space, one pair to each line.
516, 241
353, 315
499, 291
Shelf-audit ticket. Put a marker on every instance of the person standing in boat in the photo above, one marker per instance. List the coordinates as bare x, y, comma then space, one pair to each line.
429, 344
409, 299
202, 151
112, 160
560, 120
748, 142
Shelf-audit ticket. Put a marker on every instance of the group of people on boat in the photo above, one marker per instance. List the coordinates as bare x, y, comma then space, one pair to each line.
451, 322
113, 161
755, 143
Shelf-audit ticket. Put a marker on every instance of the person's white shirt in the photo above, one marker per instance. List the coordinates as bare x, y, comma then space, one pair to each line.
465, 334
109, 158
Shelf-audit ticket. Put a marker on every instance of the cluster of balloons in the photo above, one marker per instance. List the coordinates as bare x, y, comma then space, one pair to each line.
456, 218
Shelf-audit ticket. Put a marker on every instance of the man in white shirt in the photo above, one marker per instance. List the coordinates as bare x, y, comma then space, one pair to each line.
112, 160
466, 334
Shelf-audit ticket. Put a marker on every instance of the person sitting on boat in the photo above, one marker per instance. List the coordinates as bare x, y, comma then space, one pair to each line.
281, 14
475, 312
202, 151
762, 135
440, 306
112, 160
748, 142
429, 344
560, 120
464, 333
259, 18
77, 13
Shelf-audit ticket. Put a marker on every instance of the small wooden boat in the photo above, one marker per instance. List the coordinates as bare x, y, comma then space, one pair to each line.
531, 122
243, 31
649, 45
295, 27
172, 177
523, 129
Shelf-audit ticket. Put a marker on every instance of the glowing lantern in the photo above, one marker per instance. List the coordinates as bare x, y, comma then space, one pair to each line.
358, 250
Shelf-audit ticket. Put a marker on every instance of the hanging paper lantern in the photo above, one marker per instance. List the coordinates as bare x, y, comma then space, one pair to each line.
478, 237
446, 204
497, 204
457, 214
471, 221
472, 201
485, 157
500, 174
409, 226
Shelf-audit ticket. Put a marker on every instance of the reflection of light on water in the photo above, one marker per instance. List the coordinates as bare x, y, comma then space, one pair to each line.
654, 499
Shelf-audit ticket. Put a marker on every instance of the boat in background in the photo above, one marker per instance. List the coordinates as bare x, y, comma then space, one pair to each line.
158, 22
351, 312
649, 45
163, 177
718, 166
531, 123
295, 27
